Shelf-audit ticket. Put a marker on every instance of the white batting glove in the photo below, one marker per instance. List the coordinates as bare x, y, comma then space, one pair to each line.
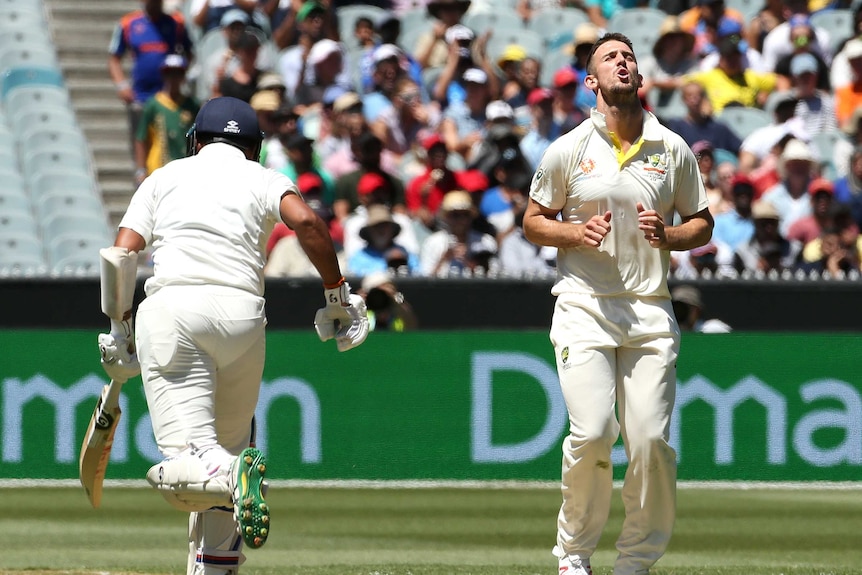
344, 318
119, 358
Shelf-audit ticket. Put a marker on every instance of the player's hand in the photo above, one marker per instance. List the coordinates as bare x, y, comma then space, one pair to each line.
651, 223
596, 229
119, 357
344, 318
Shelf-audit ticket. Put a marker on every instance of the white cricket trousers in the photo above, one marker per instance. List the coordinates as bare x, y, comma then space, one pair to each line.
202, 352
617, 352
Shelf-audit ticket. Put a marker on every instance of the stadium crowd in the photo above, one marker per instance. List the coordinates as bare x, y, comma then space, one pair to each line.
414, 129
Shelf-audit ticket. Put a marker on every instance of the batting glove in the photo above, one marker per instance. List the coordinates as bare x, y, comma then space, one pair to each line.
119, 358
344, 318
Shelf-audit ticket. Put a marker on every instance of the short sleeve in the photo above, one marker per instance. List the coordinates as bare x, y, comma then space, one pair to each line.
690, 196
277, 185
550, 181
140, 215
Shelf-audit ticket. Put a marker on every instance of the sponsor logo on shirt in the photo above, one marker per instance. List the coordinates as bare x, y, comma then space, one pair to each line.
587, 166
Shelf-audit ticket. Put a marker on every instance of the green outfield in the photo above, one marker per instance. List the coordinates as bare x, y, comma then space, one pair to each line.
339, 531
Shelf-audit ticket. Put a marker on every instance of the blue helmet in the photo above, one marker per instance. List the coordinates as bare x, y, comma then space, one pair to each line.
228, 120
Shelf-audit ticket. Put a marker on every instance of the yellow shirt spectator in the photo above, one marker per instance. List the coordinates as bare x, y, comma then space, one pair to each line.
744, 88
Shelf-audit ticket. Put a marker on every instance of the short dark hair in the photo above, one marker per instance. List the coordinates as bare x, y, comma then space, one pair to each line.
609, 37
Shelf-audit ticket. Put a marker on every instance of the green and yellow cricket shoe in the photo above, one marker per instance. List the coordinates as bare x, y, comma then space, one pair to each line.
249, 508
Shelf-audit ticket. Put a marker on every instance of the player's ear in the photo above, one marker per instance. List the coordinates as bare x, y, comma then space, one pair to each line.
591, 83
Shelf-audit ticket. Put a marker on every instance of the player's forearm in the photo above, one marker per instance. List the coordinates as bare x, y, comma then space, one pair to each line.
693, 233
543, 231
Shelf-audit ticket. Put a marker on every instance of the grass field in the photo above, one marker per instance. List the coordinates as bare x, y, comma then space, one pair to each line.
340, 531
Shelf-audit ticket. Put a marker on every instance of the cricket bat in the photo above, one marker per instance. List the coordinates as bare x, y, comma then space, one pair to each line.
96, 447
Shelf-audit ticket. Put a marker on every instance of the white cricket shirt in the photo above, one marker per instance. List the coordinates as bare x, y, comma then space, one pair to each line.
584, 173
208, 218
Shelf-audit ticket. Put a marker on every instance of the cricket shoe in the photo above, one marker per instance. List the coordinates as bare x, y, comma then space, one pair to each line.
574, 566
249, 508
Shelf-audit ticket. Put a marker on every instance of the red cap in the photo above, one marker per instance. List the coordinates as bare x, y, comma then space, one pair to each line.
539, 95
821, 185
370, 182
741, 180
472, 180
564, 77
432, 140
308, 181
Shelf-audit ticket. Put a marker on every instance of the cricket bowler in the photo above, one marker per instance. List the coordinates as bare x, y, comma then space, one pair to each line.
604, 194
200, 334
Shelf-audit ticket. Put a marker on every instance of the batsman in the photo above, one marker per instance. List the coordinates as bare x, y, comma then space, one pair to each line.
199, 333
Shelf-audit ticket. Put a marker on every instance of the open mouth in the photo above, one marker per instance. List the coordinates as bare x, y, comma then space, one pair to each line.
623, 74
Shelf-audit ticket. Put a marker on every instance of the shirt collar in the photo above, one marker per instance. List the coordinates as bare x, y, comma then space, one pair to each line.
220, 149
651, 127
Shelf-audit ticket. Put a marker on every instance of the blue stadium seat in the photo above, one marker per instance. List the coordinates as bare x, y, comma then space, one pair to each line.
44, 117
21, 250
494, 21
840, 24
12, 200
24, 98
15, 56
18, 222
46, 181
347, 16
59, 229
748, 8
641, 25
78, 201
743, 121
25, 76
824, 144
60, 159
42, 138
532, 42
550, 22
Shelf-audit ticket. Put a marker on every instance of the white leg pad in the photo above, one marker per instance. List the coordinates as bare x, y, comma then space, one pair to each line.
215, 547
191, 484
118, 270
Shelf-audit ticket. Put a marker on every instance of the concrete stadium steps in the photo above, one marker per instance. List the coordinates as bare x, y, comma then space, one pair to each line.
82, 30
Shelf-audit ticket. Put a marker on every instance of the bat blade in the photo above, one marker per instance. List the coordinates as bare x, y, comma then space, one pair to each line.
97, 443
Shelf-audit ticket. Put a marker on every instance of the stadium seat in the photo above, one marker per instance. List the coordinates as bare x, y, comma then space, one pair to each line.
78, 201
558, 41
51, 138
15, 56
550, 22
743, 121
45, 117
748, 8
824, 144
75, 251
494, 21
26, 76
61, 159
46, 181
25, 98
840, 24
13, 201
667, 108
13, 181
641, 25
27, 247
552, 62
8, 161
58, 228
414, 23
532, 42
18, 222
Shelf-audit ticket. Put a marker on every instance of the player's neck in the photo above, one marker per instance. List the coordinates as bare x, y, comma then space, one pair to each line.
626, 121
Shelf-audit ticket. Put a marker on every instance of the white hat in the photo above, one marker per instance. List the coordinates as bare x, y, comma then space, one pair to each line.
853, 49
322, 50
385, 52
499, 110
459, 32
475, 75
797, 150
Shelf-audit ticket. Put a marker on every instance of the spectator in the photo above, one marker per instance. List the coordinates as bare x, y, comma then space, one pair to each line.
289, 31
501, 204
689, 311
600, 11
501, 136
586, 35
367, 149
848, 97
816, 107
272, 81
543, 129
373, 188
778, 43
388, 310
802, 38
840, 73
457, 248
767, 249
518, 256
380, 252
725, 172
835, 259
325, 60
770, 15
758, 146
702, 20
273, 154
310, 21
797, 166
463, 125
425, 192
526, 9
388, 28
848, 190
207, 14
432, 50
242, 83
841, 222
844, 147
449, 88
735, 227
389, 67
730, 83
672, 57
821, 195
148, 35
705, 154
221, 63
509, 63
566, 111
529, 73
699, 123
347, 124
166, 118
399, 125
302, 160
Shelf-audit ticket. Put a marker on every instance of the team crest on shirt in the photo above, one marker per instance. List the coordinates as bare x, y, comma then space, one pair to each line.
587, 166
564, 358
655, 167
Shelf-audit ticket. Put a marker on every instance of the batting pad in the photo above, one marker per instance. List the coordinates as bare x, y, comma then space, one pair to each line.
189, 484
118, 269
